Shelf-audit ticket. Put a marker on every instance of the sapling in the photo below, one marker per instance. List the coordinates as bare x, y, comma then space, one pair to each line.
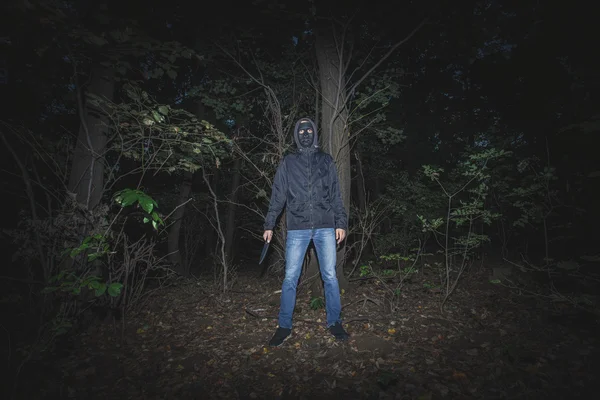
465, 199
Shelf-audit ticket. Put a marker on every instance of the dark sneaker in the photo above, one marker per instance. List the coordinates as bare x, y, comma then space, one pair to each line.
280, 336
338, 331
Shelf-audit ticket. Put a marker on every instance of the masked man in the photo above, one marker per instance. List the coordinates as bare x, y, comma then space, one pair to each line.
306, 183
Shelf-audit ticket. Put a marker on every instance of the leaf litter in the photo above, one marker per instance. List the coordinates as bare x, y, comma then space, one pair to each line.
191, 343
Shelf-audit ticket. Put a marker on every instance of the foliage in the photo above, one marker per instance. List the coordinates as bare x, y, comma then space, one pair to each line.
407, 197
392, 280
317, 303
128, 197
465, 196
72, 283
96, 246
100, 270
160, 137
96, 242
535, 196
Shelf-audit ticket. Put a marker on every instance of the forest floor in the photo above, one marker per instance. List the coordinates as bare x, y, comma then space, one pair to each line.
192, 343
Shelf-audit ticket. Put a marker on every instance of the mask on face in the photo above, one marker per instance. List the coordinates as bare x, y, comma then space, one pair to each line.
305, 134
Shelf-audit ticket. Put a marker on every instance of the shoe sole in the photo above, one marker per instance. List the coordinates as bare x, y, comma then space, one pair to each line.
284, 340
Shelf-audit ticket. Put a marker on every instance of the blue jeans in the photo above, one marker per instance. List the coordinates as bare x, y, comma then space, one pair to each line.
297, 243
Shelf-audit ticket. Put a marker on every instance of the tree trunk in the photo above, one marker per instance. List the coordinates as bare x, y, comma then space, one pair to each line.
175, 230
334, 118
87, 169
231, 208
211, 235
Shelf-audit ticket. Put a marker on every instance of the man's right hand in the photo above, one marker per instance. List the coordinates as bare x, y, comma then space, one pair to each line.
268, 235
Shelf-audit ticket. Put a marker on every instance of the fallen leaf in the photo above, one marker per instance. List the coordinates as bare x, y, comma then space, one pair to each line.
391, 331
472, 352
532, 368
459, 375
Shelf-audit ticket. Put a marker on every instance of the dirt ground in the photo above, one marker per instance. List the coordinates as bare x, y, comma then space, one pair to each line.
193, 343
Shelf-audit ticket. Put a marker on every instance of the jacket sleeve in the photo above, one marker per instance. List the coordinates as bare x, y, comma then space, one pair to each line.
341, 217
278, 196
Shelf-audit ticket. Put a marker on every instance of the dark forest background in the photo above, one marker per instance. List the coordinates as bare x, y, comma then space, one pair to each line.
140, 139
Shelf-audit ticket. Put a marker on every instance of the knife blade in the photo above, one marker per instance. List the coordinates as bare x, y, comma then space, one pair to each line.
264, 252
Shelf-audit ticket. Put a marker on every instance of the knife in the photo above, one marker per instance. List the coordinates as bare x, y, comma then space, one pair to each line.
264, 252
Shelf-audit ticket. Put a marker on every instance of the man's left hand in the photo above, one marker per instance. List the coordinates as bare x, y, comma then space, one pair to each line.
340, 234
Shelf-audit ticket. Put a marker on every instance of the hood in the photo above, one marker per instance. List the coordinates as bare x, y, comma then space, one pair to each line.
315, 138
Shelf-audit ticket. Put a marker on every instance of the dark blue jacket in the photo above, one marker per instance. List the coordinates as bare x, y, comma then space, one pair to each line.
306, 183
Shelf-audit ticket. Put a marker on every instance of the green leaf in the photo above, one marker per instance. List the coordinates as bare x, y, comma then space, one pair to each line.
97, 40
157, 117
317, 303
146, 203
114, 289
128, 199
154, 225
94, 284
164, 110
146, 220
495, 281
172, 73
100, 290
93, 256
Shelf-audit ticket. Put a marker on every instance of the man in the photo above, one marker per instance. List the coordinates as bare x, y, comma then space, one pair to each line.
306, 183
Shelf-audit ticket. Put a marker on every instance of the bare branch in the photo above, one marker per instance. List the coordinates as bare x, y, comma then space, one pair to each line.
387, 55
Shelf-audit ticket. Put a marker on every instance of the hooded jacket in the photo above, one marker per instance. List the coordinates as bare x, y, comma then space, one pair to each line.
306, 183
